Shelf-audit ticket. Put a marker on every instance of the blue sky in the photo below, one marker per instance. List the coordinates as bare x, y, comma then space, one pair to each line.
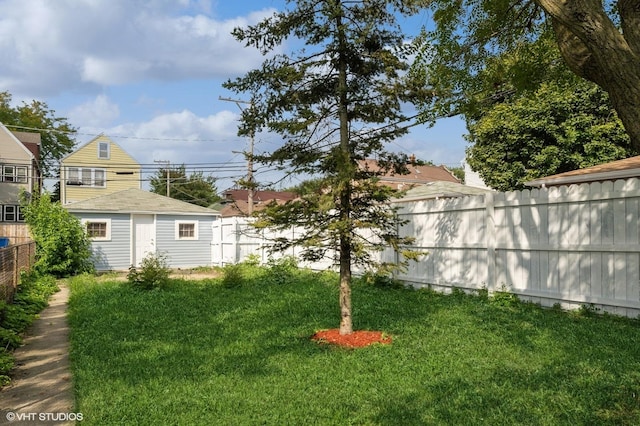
148, 74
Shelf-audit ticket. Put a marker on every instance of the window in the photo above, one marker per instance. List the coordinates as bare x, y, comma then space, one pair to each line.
21, 174
86, 177
186, 230
13, 173
8, 173
98, 177
98, 229
103, 150
10, 213
73, 176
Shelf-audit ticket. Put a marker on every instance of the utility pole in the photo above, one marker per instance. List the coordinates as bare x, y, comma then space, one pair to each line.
249, 157
168, 163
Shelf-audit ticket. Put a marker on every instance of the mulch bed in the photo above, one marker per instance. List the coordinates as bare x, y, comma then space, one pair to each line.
357, 339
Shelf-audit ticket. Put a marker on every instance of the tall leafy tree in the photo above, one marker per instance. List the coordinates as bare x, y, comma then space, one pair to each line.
599, 40
195, 188
55, 132
524, 125
554, 129
335, 101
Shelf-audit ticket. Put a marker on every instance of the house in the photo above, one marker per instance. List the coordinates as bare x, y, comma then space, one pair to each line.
19, 171
418, 174
620, 169
127, 225
235, 201
97, 168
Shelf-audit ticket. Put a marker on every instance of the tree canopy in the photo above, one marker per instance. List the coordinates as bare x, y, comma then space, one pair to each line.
335, 101
598, 41
55, 140
554, 129
195, 188
540, 123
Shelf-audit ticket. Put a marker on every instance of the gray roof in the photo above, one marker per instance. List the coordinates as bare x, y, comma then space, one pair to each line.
138, 201
441, 189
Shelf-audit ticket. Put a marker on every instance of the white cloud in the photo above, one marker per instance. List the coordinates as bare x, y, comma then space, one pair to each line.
47, 47
99, 112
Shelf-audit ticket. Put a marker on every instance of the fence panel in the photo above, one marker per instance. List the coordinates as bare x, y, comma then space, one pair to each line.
13, 260
568, 245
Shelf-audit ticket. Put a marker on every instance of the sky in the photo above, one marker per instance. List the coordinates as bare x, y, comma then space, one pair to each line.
148, 74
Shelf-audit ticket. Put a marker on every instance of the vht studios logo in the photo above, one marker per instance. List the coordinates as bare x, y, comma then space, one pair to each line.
44, 417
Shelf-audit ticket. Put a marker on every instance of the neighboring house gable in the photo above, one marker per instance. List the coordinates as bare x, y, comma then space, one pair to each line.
99, 167
235, 202
418, 175
620, 169
126, 225
19, 171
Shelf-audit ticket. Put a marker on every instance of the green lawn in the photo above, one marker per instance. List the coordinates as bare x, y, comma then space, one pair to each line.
204, 353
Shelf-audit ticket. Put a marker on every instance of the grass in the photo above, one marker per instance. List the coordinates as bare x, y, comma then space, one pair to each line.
209, 353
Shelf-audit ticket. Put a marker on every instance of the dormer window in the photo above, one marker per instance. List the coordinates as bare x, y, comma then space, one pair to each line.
103, 150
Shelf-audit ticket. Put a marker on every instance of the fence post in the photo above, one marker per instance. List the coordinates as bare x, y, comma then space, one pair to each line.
16, 268
490, 239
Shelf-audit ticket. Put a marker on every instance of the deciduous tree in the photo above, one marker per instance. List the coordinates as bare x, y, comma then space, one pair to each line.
538, 123
599, 40
335, 101
195, 188
55, 132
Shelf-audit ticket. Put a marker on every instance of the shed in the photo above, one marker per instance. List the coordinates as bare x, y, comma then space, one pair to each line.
127, 225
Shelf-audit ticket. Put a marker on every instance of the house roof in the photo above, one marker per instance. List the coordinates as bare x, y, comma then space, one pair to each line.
258, 196
135, 200
30, 140
418, 174
241, 208
26, 143
620, 169
434, 190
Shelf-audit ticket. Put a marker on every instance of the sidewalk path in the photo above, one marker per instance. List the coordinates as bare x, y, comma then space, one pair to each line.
41, 380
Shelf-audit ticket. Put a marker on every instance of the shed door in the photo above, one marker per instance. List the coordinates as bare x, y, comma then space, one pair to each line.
144, 234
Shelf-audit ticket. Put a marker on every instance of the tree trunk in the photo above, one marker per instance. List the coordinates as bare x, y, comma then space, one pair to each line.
344, 170
595, 49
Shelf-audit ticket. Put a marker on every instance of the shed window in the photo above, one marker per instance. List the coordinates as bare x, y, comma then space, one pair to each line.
98, 229
186, 230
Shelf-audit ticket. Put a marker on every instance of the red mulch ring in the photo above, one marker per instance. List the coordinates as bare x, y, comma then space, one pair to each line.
357, 339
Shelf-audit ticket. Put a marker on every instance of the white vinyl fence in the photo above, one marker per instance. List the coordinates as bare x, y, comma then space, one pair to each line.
569, 245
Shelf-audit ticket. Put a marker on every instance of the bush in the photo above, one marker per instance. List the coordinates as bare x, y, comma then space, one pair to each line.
153, 272
62, 245
381, 280
233, 276
281, 270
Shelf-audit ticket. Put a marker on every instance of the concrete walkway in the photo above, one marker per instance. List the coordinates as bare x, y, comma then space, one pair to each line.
41, 380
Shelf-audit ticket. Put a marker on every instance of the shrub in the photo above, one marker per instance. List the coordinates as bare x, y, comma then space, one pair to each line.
153, 272
504, 297
62, 245
252, 260
233, 276
382, 280
281, 270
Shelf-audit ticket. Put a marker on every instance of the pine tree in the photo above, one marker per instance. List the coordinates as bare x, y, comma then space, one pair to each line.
336, 102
